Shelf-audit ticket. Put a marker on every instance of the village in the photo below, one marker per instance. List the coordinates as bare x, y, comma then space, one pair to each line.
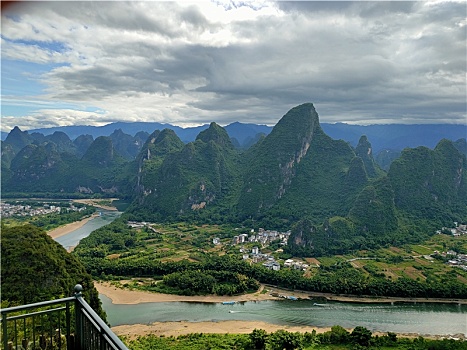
264, 238
250, 246
456, 231
452, 257
21, 209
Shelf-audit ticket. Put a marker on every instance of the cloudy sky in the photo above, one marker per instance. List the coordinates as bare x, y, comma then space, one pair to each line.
190, 63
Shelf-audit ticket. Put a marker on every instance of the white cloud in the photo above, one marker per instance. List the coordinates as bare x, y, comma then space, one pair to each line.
196, 62
45, 118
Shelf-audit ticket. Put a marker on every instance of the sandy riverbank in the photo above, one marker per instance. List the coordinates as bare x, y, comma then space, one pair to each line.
123, 296
65, 229
225, 327
184, 327
95, 203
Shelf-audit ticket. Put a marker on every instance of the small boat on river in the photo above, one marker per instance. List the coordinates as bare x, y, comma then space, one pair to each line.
316, 304
228, 302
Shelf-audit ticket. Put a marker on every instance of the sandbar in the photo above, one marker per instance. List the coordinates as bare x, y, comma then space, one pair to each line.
125, 296
95, 203
66, 229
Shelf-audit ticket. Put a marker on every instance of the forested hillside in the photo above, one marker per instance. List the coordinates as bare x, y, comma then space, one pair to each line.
296, 176
35, 268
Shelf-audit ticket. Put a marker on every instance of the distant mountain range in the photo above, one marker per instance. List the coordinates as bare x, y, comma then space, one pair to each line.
383, 137
334, 194
243, 133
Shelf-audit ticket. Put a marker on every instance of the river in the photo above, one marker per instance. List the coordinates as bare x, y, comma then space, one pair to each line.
72, 239
418, 318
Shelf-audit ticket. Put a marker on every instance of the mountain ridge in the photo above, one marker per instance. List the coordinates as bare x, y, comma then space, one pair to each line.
382, 136
297, 172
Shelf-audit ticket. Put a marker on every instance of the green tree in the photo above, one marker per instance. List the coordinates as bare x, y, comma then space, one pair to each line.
339, 335
360, 335
258, 338
282, 339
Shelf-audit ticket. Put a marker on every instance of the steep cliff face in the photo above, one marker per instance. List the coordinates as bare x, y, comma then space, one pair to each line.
101, 152
156, 148
427, 182
271, 166
297, 171
190, 177
365, 151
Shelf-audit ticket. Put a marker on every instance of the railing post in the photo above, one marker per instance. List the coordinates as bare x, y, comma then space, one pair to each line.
91, 330
69, 345
79, 332
4, 330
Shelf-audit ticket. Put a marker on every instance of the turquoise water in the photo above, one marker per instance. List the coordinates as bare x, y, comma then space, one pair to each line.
420, 318
72, 239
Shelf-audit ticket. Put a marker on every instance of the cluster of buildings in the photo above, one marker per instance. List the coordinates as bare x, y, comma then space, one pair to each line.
137, 224
264, 237
256, 256
142, 224
457, 231
297, 265
456, 260
9, 209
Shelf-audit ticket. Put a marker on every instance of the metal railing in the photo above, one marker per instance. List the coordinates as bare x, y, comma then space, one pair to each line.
51, 325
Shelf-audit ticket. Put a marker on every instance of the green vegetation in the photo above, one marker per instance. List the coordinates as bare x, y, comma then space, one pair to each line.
184, 182
364, 231
337, 338
295, 176
169, 256
428, 184
44, 168
298, 173
36, 268
205, 282
365, 152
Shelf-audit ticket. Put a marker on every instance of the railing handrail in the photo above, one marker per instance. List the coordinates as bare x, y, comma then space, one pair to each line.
81, 309
35, 305
94, 317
